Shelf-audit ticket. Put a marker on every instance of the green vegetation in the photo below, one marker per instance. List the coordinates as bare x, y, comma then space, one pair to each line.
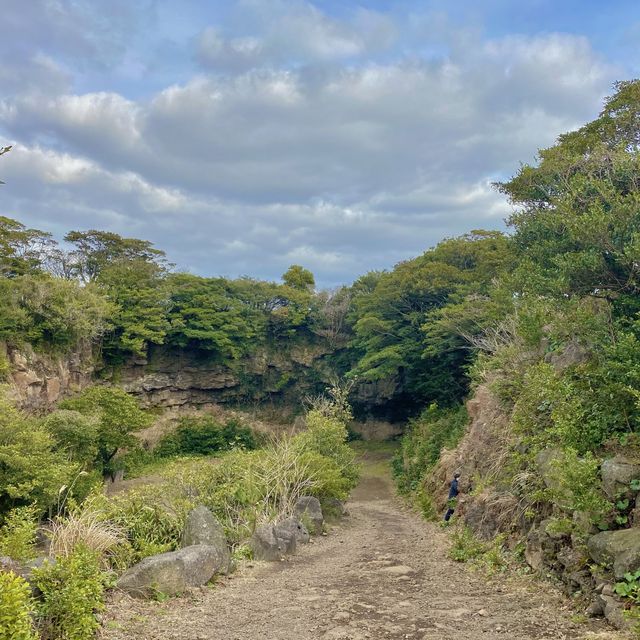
204, 435
548, 317
16, 608
72, 593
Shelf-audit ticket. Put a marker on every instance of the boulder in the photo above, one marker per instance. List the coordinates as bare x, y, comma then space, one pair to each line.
174, 572
547, 462
617, 473
308, 509
295, 527
571, 355
271, 542
618, 548
333, 509
202, 527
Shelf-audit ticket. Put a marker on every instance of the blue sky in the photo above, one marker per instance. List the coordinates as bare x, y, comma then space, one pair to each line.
244, 136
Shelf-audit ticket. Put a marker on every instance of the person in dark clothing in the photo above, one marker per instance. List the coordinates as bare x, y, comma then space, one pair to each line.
453, 494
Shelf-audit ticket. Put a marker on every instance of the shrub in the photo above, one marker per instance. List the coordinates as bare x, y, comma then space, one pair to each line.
150, 519
575, 483
327, 436
118, 416
204, 436
426, 437
16, 607
72, 591
30, 470
18, 533
83, 528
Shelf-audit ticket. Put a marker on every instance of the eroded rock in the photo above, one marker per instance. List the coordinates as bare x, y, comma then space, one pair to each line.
174, 572
621, 549
308, 509
271, 543
617, 473
295, 527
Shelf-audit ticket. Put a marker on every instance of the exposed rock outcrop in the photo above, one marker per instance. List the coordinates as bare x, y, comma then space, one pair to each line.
39, 380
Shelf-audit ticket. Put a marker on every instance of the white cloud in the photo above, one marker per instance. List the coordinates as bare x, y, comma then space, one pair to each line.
343, 167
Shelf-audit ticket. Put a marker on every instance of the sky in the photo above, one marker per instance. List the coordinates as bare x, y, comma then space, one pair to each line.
243, 136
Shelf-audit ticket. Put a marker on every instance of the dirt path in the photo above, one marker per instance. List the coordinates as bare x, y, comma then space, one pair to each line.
383, 574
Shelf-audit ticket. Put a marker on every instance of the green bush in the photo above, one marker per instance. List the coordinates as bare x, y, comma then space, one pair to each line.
327, 436
18, 533
72, 591
434, 430
31, 471
204, 436
16, 607
151, 519
118, 416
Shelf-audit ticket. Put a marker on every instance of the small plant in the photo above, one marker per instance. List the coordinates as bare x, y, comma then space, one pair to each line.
629, 587
72, 591
465, 546
16, 607
18, 533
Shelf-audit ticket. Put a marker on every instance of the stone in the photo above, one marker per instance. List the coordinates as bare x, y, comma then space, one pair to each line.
333, 510
271, 543
398, 570
620, 548
308, 509
174, 572
617, 473
571, 355
294, 526
613, 611
595, 609
547, 461
202, 527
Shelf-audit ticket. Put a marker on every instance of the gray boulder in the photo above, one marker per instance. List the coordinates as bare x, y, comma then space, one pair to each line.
621, 549
617, 473
174, 572
294, 526
202, 527
271, 542
308, 509
333, 509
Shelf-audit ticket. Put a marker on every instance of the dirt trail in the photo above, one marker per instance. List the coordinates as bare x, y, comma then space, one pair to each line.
383, 574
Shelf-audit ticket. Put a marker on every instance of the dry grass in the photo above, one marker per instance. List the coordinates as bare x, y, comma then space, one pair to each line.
87, 528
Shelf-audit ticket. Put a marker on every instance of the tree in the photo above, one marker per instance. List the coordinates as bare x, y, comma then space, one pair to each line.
118, 417
4, 150
22, 250
390, 311
298, 277
577, 229
131, 272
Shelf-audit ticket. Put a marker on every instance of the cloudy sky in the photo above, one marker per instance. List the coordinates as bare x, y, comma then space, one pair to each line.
242, 136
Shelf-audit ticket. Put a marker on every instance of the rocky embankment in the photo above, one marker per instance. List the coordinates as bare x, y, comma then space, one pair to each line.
558, 540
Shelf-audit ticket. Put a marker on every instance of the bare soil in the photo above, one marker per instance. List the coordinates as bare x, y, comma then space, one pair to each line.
382, 574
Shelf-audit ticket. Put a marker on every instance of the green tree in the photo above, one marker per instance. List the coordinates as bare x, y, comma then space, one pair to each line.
22, 250
31, 471
118, 417
298, 277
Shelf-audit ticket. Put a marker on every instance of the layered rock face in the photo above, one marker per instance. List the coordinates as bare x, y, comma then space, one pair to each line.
40, 380
175, 377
